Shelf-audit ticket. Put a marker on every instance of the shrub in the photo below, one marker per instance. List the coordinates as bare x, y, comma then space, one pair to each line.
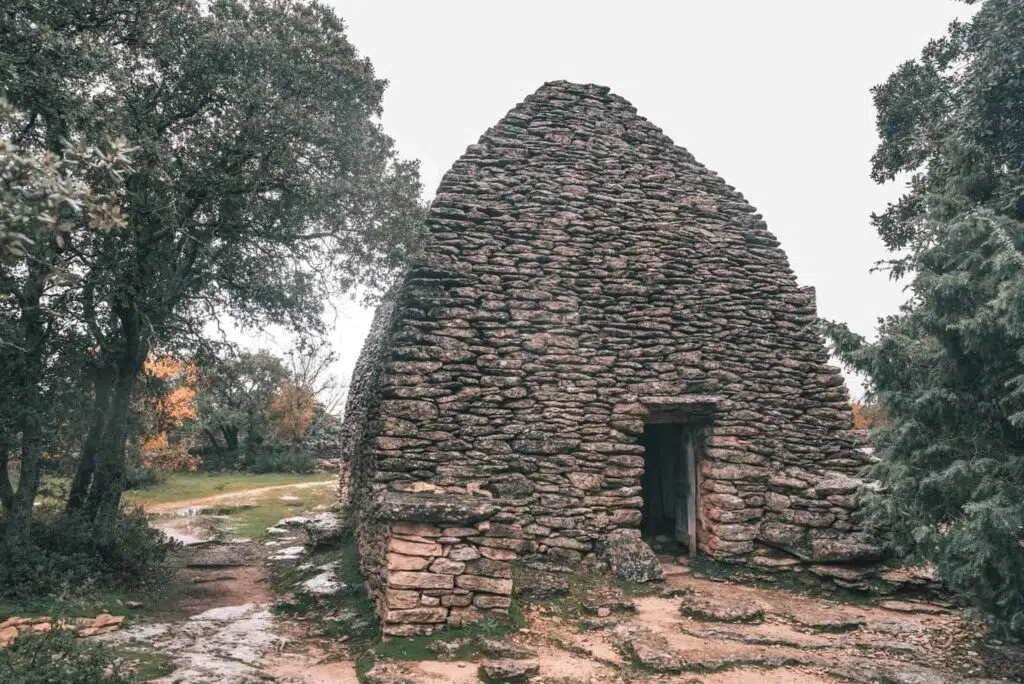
59, 657
278, 458
64, 555
143, 477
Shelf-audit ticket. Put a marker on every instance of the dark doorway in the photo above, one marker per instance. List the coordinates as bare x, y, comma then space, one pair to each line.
669, 483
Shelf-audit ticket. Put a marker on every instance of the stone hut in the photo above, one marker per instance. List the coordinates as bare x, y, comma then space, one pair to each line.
601, 335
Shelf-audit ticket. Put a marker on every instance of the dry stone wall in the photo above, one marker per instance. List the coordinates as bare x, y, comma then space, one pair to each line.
582, 275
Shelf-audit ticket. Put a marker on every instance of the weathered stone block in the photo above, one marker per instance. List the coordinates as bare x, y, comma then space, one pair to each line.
397, 561
491, 585
489, 568
419, 580
415, 529
459, 616
399, 599
410, 548
464, 552
417, 615
796, 516
434, 508
781, 533
445, 566
497, 554
488, 601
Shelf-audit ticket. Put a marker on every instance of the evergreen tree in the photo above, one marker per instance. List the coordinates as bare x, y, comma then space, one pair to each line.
948, 369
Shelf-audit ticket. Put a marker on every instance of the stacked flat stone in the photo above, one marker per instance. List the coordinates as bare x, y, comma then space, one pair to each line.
582, 273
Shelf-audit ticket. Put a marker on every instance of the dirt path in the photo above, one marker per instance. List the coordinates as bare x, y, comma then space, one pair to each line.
220, 625
239, 497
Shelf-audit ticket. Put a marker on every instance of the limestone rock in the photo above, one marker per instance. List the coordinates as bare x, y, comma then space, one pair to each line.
434, 508
541, 584
504, 650
324, 529
649, 649
388, 673
630, 558
845, 550
709, 609
322, 585
507, 672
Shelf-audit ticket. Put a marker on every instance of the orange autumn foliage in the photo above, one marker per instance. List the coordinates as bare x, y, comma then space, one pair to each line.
292, 411
866, 416
170, 410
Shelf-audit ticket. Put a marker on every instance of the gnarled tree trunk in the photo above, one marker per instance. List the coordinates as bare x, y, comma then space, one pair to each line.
102, 390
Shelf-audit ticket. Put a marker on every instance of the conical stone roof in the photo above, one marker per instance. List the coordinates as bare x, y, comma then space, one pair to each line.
584, 275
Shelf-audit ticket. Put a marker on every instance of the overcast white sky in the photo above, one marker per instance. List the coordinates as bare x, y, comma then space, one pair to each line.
774, 96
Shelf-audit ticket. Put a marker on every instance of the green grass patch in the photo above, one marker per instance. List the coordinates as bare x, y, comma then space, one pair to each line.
89, 600
187, 486
146, 665
87, 605
253, 520
638, 589
350, 610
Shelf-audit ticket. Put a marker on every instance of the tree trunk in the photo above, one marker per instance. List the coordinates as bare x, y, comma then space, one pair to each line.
19, 520
6, 491
102, 386
214, 444
104, 498
27, 389
230, 433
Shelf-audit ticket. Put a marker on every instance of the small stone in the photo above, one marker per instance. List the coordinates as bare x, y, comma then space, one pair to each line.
290, 553
387, 673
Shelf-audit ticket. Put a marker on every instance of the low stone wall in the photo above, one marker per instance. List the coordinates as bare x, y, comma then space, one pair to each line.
442, 560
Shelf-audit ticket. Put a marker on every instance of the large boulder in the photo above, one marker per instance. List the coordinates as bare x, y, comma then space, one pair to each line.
630, 558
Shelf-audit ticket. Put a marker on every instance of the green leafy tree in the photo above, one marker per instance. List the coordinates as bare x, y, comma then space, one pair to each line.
948, 369
234, 396
261, 181
47, 200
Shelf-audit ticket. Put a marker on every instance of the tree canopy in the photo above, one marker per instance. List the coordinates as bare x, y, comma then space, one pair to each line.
947, 371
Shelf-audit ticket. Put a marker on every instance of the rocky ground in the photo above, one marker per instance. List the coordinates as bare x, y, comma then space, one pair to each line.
277, 609
695, 628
